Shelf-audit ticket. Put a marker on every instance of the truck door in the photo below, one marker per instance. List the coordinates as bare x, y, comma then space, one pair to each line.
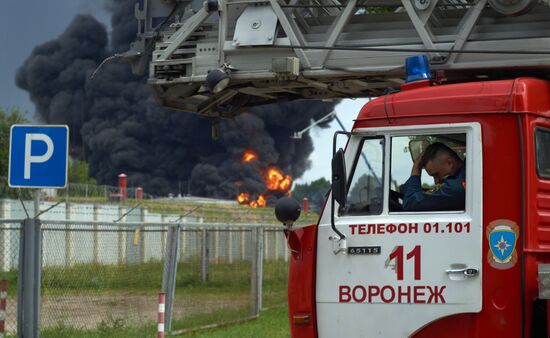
402, 269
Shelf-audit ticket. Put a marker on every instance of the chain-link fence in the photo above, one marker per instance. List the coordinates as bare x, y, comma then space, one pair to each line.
105, 277
100, 276
222, 288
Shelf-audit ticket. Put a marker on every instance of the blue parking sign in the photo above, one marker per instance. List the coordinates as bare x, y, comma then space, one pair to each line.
38, 156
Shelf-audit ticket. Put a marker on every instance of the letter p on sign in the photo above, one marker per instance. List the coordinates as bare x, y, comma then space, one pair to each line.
36, 159
38, 156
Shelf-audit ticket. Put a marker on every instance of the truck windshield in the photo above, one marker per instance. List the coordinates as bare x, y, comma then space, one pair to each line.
365, 190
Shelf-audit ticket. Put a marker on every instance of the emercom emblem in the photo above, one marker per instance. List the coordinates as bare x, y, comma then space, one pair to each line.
502, 235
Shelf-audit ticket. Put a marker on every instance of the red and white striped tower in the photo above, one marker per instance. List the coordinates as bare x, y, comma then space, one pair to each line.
160, 321
3, 301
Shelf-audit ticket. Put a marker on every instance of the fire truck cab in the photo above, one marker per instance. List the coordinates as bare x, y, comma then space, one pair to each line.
371, 269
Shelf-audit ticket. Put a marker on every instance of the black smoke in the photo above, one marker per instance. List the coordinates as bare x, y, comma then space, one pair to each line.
117, 126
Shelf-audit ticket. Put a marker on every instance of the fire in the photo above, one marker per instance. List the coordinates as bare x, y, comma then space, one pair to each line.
261, 201
276, 183
243, 197
249, 156
276, 180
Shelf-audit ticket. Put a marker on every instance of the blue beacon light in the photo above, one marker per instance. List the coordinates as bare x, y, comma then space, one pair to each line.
417, 68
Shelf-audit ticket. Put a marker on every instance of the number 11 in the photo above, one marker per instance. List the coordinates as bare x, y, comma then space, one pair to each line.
398, 255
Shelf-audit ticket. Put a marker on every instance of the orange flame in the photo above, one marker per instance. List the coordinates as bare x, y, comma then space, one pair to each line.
261, 201
249, 156
276, 180
243, 197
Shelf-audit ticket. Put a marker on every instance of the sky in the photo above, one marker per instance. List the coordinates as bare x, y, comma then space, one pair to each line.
347, 112
25, 24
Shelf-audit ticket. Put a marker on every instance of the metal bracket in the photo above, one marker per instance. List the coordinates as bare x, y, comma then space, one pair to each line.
424, 12
257, 26
339, 245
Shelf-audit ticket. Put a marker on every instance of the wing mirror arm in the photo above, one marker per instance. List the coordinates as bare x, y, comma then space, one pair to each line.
338, 193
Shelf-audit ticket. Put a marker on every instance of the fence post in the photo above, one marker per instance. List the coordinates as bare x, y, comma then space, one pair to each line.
68, 237
163, 241
230, 245
28, 289
243, 244
121, 238
142, 237
205, 255
277, 235
266, 245
216, 245
183, 244
169, 273
256, 270
3, 303
260, 267
95, 234
161, 319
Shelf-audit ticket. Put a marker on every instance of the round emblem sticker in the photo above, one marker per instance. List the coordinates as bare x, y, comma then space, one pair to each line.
502, 235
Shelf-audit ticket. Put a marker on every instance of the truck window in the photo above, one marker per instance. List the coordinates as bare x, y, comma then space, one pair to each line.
542, 145
404, 150
365, 187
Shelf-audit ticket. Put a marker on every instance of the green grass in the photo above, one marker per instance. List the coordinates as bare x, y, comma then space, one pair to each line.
148, 276
271, 324
97, 277
113, 329
229, 283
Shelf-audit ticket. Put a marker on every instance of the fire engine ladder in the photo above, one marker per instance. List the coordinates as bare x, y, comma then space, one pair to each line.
219, 57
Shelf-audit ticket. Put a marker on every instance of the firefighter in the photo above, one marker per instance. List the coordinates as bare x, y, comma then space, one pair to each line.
448, 171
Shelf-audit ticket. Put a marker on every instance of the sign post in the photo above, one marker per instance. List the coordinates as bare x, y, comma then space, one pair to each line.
38, 159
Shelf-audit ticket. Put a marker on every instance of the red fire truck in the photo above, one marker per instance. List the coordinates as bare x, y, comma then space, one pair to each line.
368, 268
378, 271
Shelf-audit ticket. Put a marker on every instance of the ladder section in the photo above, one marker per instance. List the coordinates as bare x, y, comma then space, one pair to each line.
271, 50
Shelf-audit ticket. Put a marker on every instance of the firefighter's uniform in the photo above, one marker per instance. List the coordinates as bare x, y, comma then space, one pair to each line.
450, 195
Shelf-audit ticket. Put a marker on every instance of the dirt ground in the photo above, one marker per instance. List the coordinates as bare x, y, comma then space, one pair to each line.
88, 311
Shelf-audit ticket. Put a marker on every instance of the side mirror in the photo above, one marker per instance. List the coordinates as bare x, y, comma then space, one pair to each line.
287, 210
338, 186
417, 147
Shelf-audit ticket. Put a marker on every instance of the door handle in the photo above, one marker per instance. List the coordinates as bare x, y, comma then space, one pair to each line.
466, 272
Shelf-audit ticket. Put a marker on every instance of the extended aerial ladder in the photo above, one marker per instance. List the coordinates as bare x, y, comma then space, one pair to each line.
219, 57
